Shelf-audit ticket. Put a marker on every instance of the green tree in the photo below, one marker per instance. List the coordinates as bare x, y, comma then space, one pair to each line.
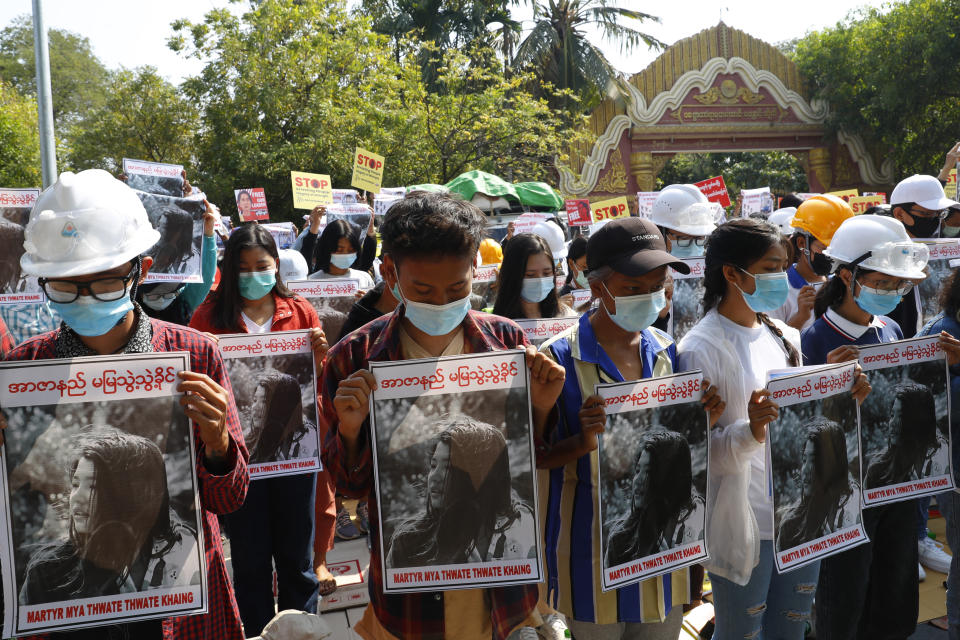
778, 170
19, 140
890, 75
560, 51
143, 117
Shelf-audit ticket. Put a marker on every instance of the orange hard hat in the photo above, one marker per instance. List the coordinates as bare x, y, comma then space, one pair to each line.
490, 251
821, 215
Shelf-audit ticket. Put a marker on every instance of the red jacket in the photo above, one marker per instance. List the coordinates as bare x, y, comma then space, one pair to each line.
290, 314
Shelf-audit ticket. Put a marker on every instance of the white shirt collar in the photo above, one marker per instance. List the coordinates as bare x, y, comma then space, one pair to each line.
851, 329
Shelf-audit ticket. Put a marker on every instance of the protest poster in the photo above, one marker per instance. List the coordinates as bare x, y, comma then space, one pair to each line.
578, 212
580, 298
367, 170
942, 251
905, 421
485, 285
950, 189
652, 478
756, 202
332, 298
860, 204
310, 190
101, 515
525, 222
813, 454
540, 330
382, 203
251, 204
715, 189
154, 177
454, 473
807, 196
177, 255
844, 194
15, 286
274, 382
357, 214
284, 233
686, 304
879, 194
345, 196
611, 209
645, 200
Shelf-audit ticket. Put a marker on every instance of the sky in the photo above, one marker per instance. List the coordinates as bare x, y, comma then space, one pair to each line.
122, 35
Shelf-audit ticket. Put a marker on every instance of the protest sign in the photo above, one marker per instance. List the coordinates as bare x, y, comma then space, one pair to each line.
611, 209
645, 200
382, 203
525, 222
880, 194
332, 298
860, 204
460, 428
540, 330
950, 189
687, 300
652, 478
844, 194
15, 286
101, 516
484, 283
715, 189
274, 383
345, 196
177, 255
580, 297
367, 170
905, 421
357, 214
284, 233
154, 177
813, 454
251, 204
578, 212
310, 190
807, 196
938, 269
756, 201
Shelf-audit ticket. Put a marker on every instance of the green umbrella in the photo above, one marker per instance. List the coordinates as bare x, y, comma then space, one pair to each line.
468, 184
538, 194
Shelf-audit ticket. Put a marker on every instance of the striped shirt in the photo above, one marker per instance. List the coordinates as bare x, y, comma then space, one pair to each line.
569, 502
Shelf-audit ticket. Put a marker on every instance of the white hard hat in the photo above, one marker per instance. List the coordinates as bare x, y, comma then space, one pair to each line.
699, 219
554, 237
781, 218
671, 201
926, 191
85, 223
292, 624
878, 243
293, 266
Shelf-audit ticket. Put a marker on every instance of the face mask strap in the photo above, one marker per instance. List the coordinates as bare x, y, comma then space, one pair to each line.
138, 269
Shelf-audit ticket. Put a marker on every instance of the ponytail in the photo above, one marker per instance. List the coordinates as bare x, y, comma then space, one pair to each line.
793, 356
830, 294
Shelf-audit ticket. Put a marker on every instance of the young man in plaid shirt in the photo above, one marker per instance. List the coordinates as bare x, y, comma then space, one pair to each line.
429, 242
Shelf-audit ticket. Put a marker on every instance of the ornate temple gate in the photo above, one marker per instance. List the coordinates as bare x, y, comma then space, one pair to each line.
719, 90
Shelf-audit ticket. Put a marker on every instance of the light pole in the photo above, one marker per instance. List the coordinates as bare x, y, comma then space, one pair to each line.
48, 155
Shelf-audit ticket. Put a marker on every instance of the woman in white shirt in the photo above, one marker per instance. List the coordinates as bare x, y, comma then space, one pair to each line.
336, 253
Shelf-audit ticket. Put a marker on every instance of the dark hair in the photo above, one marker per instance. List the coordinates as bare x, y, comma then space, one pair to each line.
908, 437
576, 250
835, 290
426, 224
883, 210
510, 279
227, 302
950, 296
12, 235
281, 422
244, 192
330, 238
790, 200
740, 242
177, 241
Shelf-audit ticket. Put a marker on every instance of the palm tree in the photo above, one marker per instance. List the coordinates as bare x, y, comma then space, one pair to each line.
559, 51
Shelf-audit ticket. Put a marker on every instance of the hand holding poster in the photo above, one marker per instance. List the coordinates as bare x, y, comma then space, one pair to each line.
652, 478
367, 170
101, 515
251, 204
177, 255
154, 177
461, 428
310, 190
905, 421
578, 212
611, 209
274, 382
15, 286
332, 298
715, 189
813, 454
540, 330
358, 215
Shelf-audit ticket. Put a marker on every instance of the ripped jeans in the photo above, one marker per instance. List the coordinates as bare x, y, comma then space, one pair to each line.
775, 606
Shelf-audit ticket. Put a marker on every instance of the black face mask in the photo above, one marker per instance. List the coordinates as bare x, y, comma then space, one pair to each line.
819, 263
923, 227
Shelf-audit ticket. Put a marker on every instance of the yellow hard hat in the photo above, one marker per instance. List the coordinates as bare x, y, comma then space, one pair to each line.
490, 251
821, 215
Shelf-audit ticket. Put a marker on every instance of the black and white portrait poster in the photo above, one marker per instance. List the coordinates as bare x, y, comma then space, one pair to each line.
15, 207
540, 330
101, 515
154, 177
484, 286
274, 383
942, 252
652, 478
454, 470
176, 256
332, 298
905, 421
357, 214
687, 300
814, 460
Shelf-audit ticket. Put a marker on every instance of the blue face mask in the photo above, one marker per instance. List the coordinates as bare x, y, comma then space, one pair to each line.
877, 302
771, 291
949, 232
342, 260
693, 250
256, 284
636, 313
433, 319
537, 289
91, 317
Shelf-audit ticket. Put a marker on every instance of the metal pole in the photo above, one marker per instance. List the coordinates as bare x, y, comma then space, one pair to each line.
48, 155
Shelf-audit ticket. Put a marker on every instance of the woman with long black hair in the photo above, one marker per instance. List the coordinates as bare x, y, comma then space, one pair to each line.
339, 251
526, 284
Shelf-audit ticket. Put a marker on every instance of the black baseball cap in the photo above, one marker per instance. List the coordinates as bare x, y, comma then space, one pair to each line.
631, 246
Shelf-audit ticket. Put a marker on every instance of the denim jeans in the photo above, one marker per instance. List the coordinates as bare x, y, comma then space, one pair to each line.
870, 592
923, 513
771, 605
274, 527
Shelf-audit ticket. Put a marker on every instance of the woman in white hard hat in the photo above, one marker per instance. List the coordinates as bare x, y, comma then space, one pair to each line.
85, 241
686, 218
869, 591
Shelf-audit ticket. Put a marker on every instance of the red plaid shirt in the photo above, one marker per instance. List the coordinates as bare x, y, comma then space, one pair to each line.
418, 615
218, 494
6, 341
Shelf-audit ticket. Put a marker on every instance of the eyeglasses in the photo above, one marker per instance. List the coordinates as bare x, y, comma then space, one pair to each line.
889, 287
686, 242
157, 297
942, 213
102, 289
